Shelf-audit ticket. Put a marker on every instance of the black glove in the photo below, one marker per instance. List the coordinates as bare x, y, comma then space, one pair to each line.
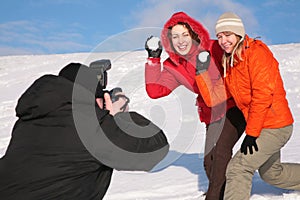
153, 47
202, 63
249, 142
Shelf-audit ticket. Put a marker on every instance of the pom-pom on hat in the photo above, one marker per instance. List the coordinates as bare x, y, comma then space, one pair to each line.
230, 22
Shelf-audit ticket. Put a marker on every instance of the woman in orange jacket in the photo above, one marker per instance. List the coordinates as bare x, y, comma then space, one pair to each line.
252, 78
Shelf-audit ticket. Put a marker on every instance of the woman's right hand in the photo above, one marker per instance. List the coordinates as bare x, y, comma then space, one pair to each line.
153, 47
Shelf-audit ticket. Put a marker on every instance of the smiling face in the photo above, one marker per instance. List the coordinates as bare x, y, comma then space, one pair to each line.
227, 41
181, 39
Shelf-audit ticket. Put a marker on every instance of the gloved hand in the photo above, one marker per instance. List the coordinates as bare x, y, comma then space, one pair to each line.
248, 143
202, 63
153, 47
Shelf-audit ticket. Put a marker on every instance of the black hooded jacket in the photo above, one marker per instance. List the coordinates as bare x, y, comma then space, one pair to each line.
50, 156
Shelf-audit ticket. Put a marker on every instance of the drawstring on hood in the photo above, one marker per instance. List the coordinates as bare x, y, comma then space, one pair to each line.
231, 56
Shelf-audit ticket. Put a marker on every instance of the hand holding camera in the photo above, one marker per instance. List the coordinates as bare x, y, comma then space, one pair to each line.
114, 100
153, 47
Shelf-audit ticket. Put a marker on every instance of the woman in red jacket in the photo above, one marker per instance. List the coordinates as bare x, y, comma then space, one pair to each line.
253, 79
183, 39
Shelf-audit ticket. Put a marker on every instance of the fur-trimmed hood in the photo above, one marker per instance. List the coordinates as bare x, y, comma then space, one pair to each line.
198, 28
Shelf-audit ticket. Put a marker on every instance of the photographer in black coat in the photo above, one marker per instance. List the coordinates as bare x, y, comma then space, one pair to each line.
65, 145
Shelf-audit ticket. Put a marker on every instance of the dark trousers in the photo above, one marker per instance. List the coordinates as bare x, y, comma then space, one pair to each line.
221, 136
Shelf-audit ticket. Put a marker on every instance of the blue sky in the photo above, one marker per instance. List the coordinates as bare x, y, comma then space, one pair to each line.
69, 26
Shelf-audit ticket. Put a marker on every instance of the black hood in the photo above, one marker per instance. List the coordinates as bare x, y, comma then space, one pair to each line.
50, 93
84, 76
75, 82
46, 94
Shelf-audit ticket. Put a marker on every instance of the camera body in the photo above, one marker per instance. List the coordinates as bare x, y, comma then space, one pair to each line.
101, 67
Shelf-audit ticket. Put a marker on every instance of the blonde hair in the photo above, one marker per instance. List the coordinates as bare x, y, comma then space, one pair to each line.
229, 59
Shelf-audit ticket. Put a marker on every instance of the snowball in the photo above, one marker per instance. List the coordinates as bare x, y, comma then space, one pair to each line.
203, 56
153, 43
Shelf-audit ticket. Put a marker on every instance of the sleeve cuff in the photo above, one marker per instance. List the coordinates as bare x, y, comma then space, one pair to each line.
200, 71
153, 61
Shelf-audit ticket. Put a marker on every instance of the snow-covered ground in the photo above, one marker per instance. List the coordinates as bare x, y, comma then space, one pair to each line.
180, 176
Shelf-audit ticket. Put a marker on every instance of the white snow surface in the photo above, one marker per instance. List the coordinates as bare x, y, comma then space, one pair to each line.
180, 176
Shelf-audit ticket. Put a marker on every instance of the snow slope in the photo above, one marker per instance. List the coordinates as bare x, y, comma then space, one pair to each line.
180, 176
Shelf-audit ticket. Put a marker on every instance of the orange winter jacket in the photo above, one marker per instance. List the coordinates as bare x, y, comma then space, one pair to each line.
256, 86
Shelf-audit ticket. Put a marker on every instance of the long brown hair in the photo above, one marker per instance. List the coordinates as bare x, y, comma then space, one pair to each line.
194, 35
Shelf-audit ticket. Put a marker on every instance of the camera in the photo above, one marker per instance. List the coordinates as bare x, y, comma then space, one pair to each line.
101, 67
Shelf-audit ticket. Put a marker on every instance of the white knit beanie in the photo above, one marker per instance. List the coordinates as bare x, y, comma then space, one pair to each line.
230, 22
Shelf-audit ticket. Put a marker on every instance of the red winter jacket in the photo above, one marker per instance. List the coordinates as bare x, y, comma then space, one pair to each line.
180, 70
